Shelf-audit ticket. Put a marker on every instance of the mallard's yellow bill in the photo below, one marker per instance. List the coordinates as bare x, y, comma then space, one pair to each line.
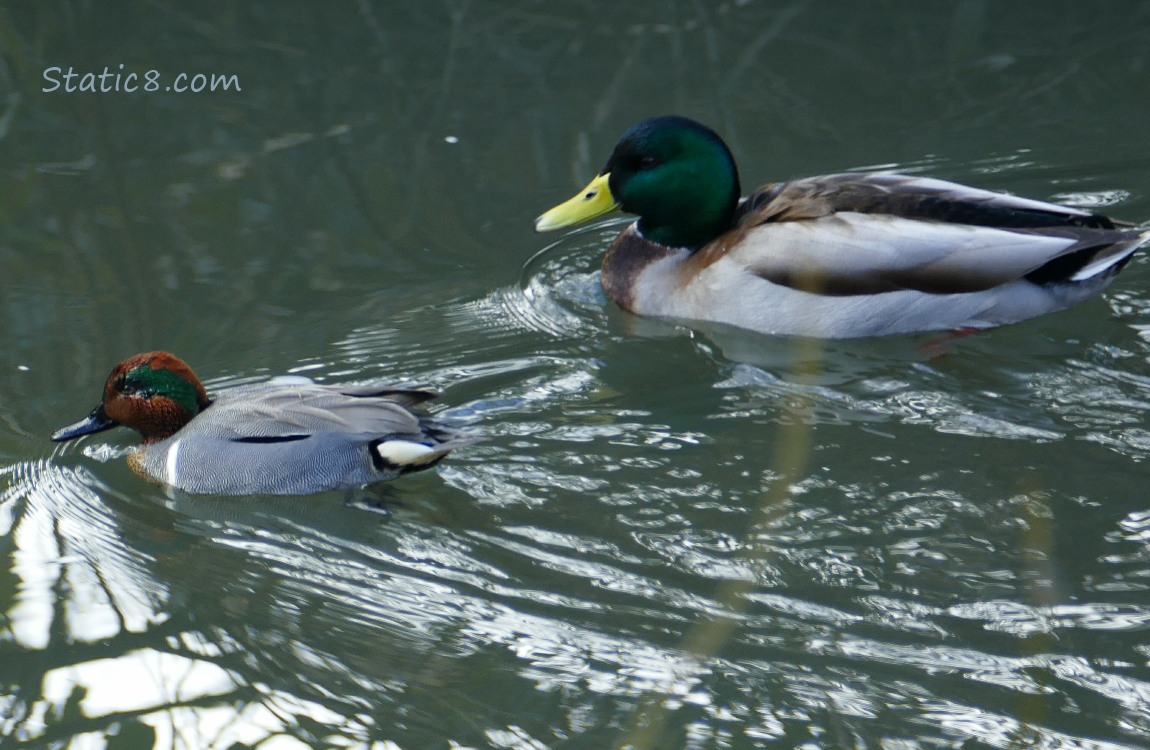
593, 200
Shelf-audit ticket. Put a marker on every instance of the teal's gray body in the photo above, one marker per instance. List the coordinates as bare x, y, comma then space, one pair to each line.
291, 436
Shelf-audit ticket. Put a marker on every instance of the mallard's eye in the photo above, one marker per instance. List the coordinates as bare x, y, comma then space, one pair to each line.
648, 162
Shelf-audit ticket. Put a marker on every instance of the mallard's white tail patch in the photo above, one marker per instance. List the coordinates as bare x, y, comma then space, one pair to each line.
1103, 264
407, 452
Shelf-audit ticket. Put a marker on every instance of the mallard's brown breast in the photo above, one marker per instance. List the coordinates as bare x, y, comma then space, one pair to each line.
629, 255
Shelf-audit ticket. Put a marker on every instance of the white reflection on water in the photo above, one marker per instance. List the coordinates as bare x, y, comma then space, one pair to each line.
188, 703
1003, 730
64, 540
1020, 619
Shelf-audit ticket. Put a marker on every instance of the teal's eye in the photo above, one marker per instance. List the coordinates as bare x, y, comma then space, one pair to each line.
130, 385
136, 383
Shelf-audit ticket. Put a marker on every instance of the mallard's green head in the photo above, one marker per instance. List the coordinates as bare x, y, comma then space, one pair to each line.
675, 174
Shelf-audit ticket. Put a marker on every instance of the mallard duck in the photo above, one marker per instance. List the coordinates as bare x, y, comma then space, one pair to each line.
286, 436
838, 256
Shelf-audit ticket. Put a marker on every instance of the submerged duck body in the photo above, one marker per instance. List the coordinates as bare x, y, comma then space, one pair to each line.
287, 436
837, 256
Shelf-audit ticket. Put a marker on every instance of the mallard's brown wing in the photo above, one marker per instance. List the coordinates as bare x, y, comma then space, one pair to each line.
858, 234
910, 197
